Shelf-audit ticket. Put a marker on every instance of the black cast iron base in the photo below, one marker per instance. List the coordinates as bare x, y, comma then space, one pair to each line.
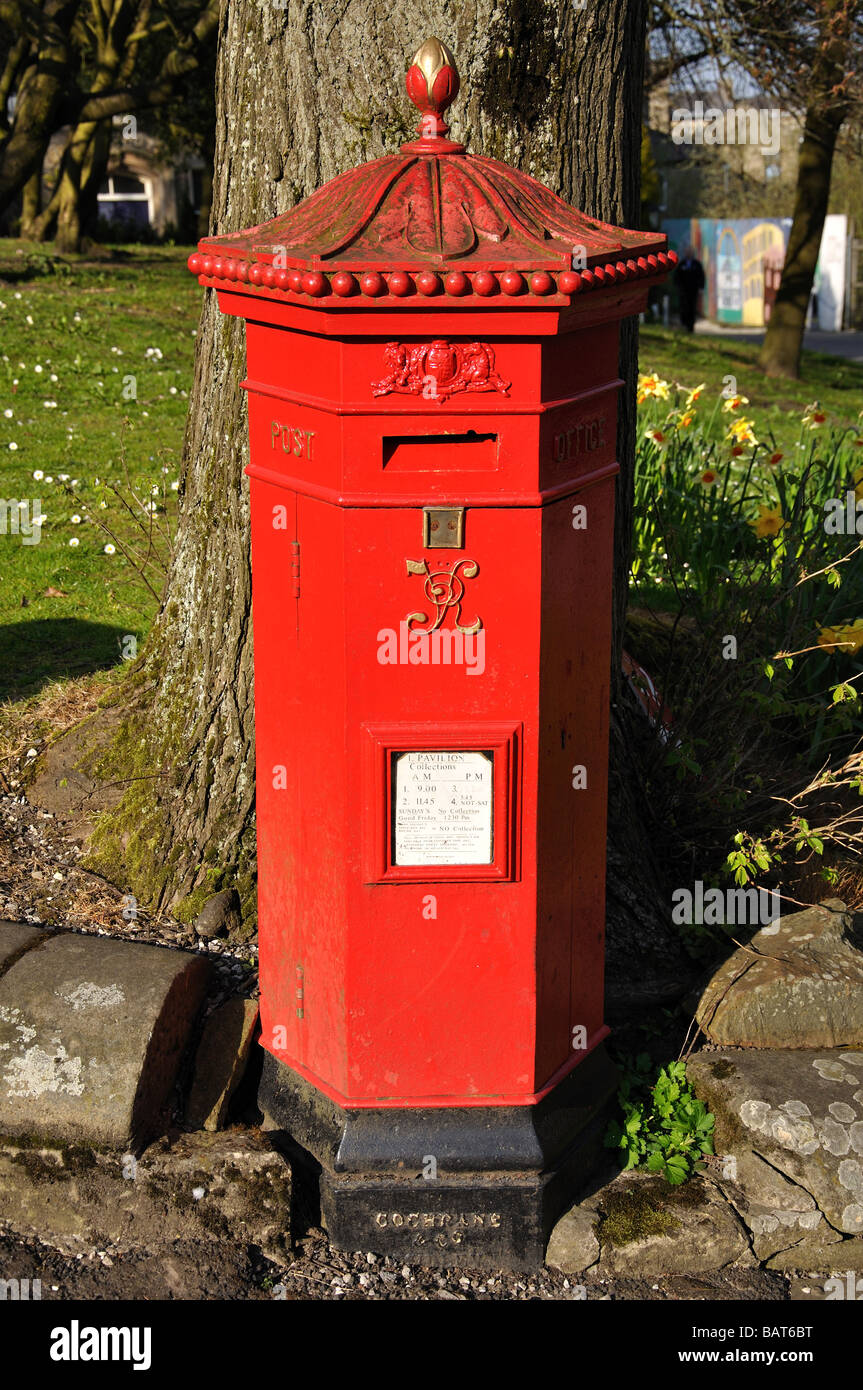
473, 1187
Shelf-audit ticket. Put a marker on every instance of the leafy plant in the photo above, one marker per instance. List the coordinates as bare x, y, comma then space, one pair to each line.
665, 1128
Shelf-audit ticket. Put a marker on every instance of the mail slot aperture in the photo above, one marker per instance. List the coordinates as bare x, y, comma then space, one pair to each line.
432, 453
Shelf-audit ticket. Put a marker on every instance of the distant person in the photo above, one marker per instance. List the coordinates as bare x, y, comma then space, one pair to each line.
689, 279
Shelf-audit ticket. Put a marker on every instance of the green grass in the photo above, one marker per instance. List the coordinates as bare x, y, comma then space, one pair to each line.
74, 332
776, 404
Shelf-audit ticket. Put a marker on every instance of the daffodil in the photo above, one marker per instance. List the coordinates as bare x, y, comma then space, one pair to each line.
653, 387
708, 477
685, 420
814, 416
845, 637
854, 632
734, 403
775, 458
693, 395
741, 431
658, 438
769, 521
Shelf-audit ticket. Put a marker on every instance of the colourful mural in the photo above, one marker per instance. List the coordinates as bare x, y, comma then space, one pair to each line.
734, 254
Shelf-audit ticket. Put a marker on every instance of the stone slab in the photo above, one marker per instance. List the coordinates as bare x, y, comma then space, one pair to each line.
220, 1062
15, 939
801, 1113
651, 1230
798, 983
92, 1031
190, 1187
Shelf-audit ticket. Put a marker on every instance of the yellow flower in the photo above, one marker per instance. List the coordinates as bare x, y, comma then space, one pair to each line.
814, 416
685, 420
853, 633
846, 637
769, 521
734, 403
741, 431
651, 386
708, 477
694, 394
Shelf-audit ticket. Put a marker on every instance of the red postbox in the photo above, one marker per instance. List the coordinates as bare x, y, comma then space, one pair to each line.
432, 377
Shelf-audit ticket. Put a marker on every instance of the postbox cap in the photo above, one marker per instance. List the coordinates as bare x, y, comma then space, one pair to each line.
431, 221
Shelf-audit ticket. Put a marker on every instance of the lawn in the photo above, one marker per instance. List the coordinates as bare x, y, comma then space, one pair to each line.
776, 404
95, 369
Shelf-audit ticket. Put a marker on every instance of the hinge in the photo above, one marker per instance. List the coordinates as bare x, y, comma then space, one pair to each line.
295, 567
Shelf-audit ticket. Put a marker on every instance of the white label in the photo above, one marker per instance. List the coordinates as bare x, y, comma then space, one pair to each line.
442, 811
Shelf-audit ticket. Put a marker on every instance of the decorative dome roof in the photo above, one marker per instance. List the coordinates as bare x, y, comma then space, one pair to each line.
431, 220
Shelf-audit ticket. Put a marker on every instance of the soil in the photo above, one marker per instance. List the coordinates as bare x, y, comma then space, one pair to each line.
207, 1270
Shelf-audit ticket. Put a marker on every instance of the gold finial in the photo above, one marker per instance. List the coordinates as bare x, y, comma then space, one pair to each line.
432, 83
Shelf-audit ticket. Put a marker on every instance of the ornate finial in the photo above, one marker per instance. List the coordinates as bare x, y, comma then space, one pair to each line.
432, 83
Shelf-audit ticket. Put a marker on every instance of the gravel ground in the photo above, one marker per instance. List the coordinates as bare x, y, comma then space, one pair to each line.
206, 1270
43, 882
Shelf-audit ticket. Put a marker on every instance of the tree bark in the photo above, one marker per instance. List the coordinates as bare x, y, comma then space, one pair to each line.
303, 94
73, 178
826, 111
783, 340
31, 204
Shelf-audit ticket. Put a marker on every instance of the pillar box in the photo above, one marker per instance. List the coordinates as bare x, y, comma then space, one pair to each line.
432, 360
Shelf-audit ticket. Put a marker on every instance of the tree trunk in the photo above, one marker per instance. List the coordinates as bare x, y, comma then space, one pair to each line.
31, 204
39, 98
826, 111
94, 177
302, 96
84, 166
68, 234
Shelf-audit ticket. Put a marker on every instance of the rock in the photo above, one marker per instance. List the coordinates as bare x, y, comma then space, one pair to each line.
573, 1246
220, 1062
219, 916
92, 1030
222, 1188
650, 1229
813, 1254
778, 1213
799, 983
15, 939
789, 1125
